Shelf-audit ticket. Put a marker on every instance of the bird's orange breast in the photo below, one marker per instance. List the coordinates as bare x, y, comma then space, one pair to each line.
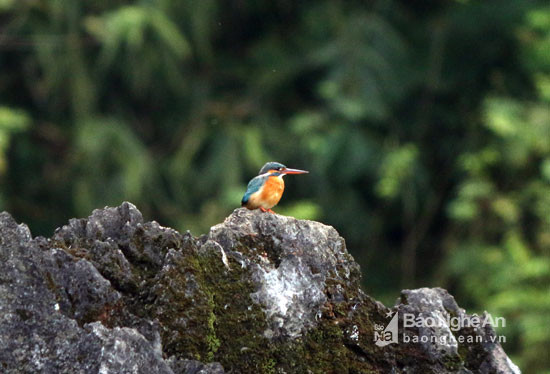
272, 192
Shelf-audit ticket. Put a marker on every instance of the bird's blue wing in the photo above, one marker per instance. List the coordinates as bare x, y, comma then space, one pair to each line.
253, 186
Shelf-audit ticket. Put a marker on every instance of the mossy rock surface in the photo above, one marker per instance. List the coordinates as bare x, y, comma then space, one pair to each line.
261, 293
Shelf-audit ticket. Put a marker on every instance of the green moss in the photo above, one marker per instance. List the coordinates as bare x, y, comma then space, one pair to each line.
452, 363
211, 339
205, 313
184, 318
236, 324
270, 366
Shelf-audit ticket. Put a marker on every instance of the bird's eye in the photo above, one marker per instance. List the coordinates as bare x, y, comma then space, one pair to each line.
279, 168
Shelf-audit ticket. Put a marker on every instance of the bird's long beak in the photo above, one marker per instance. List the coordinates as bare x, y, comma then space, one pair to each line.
294, 171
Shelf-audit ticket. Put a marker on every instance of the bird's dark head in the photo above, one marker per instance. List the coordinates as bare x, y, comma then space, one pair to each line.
276, 169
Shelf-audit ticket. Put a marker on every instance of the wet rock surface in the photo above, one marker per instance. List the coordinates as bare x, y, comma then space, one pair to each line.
260, 293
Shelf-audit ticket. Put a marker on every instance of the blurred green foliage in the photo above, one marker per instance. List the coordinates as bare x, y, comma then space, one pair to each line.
425, 125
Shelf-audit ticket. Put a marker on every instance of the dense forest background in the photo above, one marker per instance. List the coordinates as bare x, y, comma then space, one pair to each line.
425, 126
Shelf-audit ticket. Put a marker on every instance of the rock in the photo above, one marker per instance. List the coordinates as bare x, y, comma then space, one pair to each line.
125, 350
194, 367
291, 262
260, 293
443, 341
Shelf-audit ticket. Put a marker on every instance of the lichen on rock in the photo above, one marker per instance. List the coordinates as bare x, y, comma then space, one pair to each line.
291, 297
260, 293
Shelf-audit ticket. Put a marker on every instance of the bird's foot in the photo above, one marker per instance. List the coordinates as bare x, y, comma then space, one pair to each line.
267, 210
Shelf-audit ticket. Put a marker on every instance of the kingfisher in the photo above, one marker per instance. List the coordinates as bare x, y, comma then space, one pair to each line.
265, 190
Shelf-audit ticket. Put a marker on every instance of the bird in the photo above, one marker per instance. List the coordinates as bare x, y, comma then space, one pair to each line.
266, 189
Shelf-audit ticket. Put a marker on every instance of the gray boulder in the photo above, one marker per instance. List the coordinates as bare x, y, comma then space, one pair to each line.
261, 293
